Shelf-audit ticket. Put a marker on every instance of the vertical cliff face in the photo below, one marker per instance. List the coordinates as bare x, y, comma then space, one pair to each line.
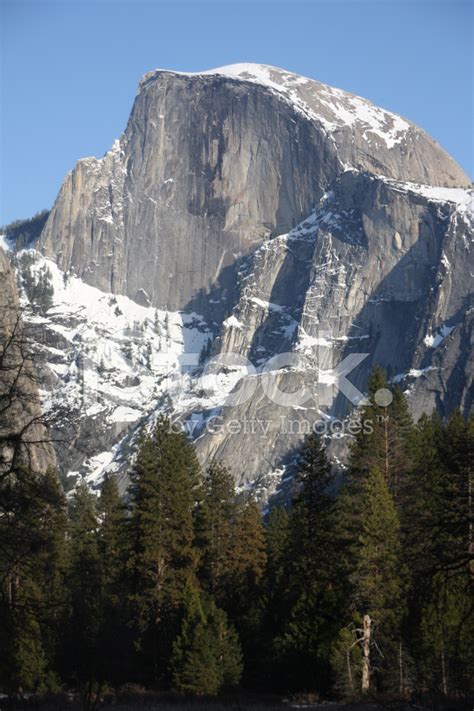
381, 268
209, 167
295, 218
24, 440
205, 171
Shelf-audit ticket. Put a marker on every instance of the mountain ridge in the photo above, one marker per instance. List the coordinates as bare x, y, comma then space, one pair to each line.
276, 231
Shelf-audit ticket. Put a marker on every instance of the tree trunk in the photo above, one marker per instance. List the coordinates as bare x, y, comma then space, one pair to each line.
400, 667
349, 670
386, 447
443, 673
470, 542
366, 654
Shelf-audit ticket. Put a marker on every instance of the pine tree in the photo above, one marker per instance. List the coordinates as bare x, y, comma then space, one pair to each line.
456, 448
50, 567
111, 515
32, 605
303, 641
384, 441
114, 643
437, 519
277, 541
206, 655
346, 661
156, 323
245, 564
231, 538
215, 524
162, 555
443, 639
369, 546
311, 505
421, 490
82, 661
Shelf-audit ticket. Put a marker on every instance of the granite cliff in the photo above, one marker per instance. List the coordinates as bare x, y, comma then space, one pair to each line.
251, 211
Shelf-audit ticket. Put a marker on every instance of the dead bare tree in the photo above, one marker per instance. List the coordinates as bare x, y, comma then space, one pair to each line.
24, 438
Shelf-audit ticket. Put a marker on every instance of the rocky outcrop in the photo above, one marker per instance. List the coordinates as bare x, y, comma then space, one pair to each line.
266, 215
24, 438
381, 268
209, 167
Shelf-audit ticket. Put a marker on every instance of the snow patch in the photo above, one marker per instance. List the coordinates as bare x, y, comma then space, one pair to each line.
413, 373
433, 341
111, 359
5, 243
233, 322
267, 305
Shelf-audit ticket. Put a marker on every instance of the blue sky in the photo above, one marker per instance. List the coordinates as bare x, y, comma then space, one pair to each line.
70, 69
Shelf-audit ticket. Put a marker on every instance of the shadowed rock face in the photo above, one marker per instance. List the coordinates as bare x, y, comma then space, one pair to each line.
379, 269
210, 166
296, 218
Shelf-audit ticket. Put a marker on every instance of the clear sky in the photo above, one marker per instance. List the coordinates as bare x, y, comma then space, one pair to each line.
70, 68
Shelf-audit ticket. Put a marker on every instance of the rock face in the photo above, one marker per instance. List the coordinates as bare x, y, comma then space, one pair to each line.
24, 440
213, 164
380, 268
262, 214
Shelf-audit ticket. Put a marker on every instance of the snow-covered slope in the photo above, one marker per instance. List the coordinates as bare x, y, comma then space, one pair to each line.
108, 366
111, 365
106, 362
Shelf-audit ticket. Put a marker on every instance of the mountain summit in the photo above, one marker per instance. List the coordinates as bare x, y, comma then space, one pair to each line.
249, 210
211, 165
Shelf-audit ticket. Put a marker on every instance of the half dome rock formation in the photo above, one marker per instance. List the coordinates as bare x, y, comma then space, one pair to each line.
250, 211
210, 166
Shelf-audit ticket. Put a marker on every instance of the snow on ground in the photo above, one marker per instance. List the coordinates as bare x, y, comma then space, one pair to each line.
414, 373
233, 322
111, 360
462, 198
434, 340
307, 343
116, 364
5, 244
267, 305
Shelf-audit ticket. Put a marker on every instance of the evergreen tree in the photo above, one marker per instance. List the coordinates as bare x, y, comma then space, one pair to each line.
384, 442
370, 552
162, 555
421, 497
311, 505
437, 529
277, 535
111, 515
215, 529
232, 543
83, 663
231, 537
456, 449
346, 662
246, 562
443, 638
206, 655
114, 643
32, 530
308, 599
